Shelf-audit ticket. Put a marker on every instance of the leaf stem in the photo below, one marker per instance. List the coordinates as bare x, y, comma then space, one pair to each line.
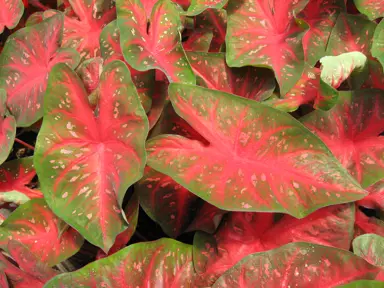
24, 144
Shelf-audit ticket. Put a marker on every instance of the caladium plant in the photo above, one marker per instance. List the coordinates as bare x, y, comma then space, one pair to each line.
191, 143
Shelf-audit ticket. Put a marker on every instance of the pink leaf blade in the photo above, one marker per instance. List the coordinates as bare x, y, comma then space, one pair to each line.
10, 13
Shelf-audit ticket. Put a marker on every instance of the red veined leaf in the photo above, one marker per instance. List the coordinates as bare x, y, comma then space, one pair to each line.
351, 130
263, 34
160, 47
247, 233
15, 176
372, 8
310, 89
300, 264
364, 284
198, 6
89, 71
28, 56
321, 16
10, 13
29, 263
161, 263
272, 163
367, 225
371, 248
132, 214
35, 18
207, 220
111, 50
83, 32
214, 20
3, 280
87, 159
7, 129
212, 72
375, 199
378, 43
198, 40
355, 33
46, 236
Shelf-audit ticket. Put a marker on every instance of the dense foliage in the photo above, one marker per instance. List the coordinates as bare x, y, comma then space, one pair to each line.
191, 143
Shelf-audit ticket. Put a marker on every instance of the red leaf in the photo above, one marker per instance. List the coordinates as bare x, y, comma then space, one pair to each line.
10, 13
365, 224
375, 199
198, 40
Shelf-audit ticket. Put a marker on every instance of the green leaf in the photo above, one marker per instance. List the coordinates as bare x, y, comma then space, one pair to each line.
364, 284
370, 247
198, 6
378, 43
372, 8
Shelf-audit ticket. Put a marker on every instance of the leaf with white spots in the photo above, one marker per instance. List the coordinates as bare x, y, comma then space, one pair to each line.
246, 233
298, 264
111, 50
261, 33
161, 263
321, 16
46, 236
7, 129
256, 158
212, 72
28, 56
371, 248
10, 13
86, 159
15, 177
89, 71
372, 8
378, 43
351, 130
159, 46
198, 6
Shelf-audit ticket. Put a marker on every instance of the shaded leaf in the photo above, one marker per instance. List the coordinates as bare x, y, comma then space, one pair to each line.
198, 41
10, 13
375, 199
370, 247
89, 71
207, 219
271, 164
87, 159
367, 225
351, 131
162, 263
45, 235
159, 47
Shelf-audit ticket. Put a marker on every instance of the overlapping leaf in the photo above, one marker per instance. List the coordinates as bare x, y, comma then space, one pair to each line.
301, 264
372, 8
351, 130
198, 6
367, 225
25, 62
261, 33
10, 13
89, 71
257, 159
157, 47
15, 176
46, 236
162, 263
7, 129
375, 199
198, 41
87, 159
378, 43
371, 248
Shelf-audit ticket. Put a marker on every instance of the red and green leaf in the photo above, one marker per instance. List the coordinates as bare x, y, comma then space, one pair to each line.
7, 128
321, 16
83, 31
159, 46
378, 43
162, 263
89, 71
264, 34
15, 177
372, 8
42, 232
298, 264
198, 41
351, 131
212, 72
27, 58
257, 159
375, 199
87, 159
199, 6
367, 225
371, 248
207, 219
10, 13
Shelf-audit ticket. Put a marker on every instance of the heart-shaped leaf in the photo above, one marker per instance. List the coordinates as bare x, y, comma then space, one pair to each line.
372, 8
378, 43
42, 232
162, 263
264, 34
158, 47
300, 264
25, 62
7, 128
87, 159
10, 13
257, 159
15, 176
351, 130
371, 248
